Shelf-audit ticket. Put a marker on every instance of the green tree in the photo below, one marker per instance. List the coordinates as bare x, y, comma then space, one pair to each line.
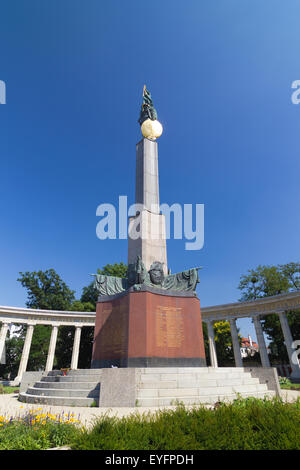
47, 291
265, 281
223, 342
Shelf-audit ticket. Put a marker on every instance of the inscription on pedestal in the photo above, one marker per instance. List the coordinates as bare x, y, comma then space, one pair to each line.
169, 327
114, 333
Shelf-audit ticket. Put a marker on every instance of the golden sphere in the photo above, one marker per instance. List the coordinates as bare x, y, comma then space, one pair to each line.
151, 129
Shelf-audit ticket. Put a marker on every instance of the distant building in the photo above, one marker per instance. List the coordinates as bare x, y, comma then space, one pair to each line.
248, 347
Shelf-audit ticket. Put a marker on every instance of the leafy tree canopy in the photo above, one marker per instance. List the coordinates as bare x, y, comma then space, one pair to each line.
46, 290
265, 281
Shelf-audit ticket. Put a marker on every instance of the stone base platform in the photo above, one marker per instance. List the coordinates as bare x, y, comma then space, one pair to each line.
147, 387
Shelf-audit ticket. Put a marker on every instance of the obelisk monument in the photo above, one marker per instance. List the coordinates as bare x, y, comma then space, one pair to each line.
150, 318
147, 229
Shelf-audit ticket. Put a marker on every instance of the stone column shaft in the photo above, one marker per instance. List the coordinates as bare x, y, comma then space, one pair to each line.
76, 345
147, 227
51, 350
261, 342
288, 339
235, 343
212, 344
25, 353
3, 333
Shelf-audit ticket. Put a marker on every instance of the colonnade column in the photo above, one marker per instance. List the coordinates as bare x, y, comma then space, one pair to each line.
76, 345
288, 339
261, 342
212, 344
235, 343
25, 352
3, 333
51, 350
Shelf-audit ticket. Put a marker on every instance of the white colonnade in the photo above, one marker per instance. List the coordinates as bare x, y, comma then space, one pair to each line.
32, 317
279, 304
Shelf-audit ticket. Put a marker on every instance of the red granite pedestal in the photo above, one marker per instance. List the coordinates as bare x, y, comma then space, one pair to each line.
146, 329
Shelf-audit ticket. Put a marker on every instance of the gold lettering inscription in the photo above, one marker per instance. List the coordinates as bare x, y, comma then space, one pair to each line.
169, 327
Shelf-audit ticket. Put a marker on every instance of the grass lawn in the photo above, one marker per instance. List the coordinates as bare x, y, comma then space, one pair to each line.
7, 389
286, 384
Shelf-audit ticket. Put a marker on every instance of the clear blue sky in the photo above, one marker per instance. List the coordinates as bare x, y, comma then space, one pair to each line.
220, 73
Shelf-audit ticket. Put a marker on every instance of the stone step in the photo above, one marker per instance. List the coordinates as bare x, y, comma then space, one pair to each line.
72, 378
153, 377
74, 371
54, 373
85, 372
200, 399
56, 400
205, 391
186, 383
187, 370
49, 378
49, 392
70, 385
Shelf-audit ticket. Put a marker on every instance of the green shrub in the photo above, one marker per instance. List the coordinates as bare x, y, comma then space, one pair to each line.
284, 381
244, 424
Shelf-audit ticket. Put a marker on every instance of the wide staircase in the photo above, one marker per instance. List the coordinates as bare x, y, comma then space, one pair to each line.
166, 386
154, 386
77, 388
